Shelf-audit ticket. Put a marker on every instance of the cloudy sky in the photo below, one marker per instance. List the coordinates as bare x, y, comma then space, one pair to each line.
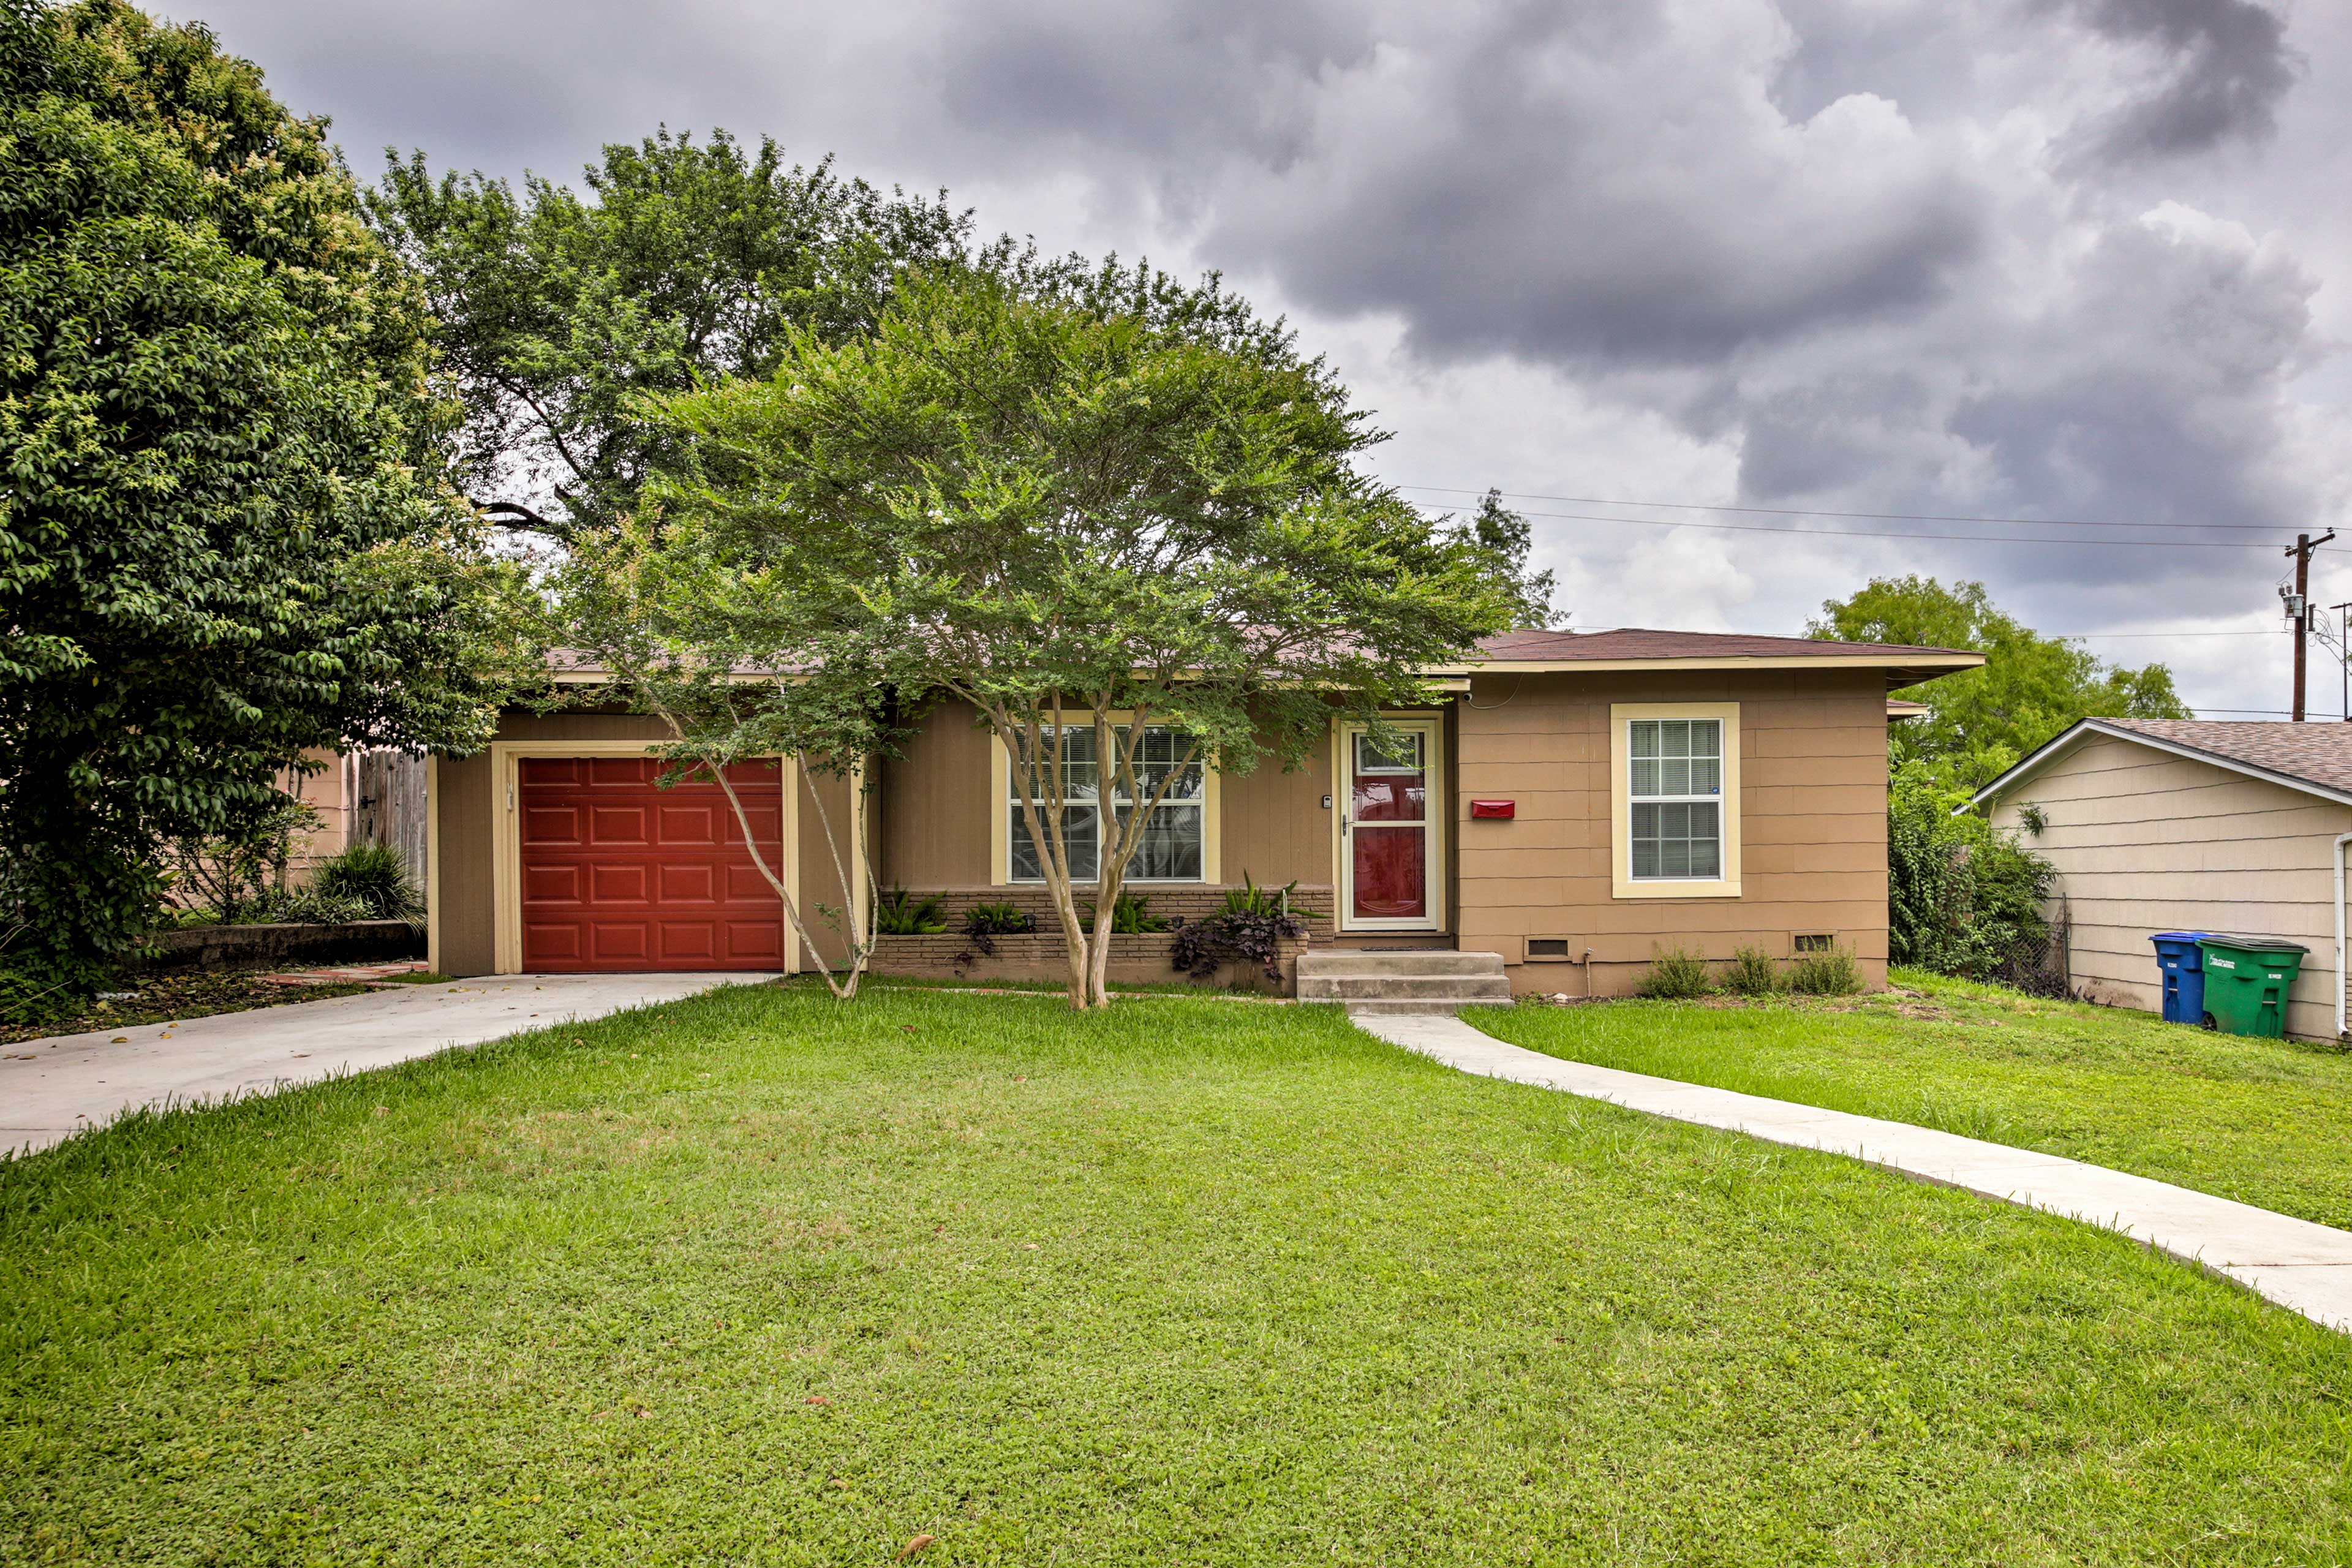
2087, 261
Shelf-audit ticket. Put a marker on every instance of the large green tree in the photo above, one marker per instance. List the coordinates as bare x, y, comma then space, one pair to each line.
216, 549
2030, 687
682, 262
1135, 543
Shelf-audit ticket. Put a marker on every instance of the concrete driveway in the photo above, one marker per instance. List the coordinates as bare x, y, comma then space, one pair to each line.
78, 1081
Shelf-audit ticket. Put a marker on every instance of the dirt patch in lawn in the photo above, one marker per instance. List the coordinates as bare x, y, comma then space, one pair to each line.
160, 998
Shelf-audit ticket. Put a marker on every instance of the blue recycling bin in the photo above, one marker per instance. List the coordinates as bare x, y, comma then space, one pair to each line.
2183, 966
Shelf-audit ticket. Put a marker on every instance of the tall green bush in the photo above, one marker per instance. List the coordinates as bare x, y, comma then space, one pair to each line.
1961, 897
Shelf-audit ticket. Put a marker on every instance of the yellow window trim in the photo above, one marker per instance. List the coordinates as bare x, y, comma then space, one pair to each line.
1000, 820
505, 838
1622, 716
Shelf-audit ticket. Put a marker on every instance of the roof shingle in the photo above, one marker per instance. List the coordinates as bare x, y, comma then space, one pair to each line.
2317, 754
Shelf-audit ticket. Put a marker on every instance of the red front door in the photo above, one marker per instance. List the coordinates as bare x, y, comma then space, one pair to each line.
1387, 837
619, 875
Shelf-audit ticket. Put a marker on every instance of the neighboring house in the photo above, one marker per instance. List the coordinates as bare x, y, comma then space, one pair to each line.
1575, 802
371, 796
2190, 824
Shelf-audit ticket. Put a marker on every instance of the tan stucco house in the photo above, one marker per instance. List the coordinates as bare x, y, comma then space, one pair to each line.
2190, 824
1573, 802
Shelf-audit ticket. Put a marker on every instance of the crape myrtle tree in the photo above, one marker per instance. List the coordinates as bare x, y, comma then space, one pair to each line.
681, 263
216, 549
1122, 522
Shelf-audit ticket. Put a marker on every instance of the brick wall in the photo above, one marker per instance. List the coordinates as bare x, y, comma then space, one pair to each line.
1044, 960
1164, 902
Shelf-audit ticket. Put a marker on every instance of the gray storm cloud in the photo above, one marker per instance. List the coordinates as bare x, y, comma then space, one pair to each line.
2038, 257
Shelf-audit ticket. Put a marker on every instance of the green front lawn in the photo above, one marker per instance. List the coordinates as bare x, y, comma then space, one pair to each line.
2265, 1122
762, 1278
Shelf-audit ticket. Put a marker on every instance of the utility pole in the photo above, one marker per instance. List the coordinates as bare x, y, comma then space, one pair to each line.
2298, 604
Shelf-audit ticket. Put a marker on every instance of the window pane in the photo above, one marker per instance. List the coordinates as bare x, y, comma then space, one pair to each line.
1171, 850
1402, 758
1680, 839
1645, 737
1673, 776
1077, 832
1645, 776
1706, 737
1674, 738
1706, 776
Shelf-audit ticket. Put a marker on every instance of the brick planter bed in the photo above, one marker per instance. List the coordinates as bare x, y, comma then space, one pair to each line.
233, 947
1044, 957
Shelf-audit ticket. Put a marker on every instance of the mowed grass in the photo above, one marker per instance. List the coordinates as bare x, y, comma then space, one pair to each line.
2263, 1121
762, 1278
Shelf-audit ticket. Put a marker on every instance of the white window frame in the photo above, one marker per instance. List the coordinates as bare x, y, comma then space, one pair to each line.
1622, 717
1008, 802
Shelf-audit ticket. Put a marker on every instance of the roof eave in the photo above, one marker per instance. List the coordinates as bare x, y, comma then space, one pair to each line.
1912, 669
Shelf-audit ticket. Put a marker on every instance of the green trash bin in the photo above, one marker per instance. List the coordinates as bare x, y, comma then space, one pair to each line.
2247, 979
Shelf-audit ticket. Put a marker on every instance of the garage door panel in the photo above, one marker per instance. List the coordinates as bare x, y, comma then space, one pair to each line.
621, 773
552, 825
754, 944
620, 874
619, 943
689, 944
617, 825
690, 883
746, 886
689, 827
553, 941
622, 882
550, 884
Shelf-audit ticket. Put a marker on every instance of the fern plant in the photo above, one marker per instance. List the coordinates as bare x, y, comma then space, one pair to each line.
896, 913
1131, 916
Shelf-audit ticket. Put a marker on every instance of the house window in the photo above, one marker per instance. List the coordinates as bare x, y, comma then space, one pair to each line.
1676, 794
1171, 850
1674, 808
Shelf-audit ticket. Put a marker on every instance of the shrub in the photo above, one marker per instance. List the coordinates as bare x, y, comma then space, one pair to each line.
1674, 976
375, 877
1831, 972
985, 922
1752, 974
1249, 931
306, 907
229, 874
896, 913
1960, 899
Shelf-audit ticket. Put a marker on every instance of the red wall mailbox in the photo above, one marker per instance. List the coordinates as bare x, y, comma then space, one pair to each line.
1501, 810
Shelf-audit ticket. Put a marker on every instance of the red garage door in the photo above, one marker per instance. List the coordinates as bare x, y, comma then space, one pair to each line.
619, 875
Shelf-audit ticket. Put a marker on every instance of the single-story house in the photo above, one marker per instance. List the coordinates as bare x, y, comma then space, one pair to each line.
1574, 802
2190, 824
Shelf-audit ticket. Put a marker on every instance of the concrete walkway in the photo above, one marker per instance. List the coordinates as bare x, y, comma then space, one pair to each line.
2303, 1267
78, 1081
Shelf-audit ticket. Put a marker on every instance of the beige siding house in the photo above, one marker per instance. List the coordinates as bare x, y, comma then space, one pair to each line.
2190, 824
1574, 802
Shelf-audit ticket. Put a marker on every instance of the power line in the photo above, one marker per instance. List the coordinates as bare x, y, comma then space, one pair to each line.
1878, 533
1817, 511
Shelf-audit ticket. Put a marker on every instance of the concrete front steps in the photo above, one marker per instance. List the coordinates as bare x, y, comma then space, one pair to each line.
1393, 983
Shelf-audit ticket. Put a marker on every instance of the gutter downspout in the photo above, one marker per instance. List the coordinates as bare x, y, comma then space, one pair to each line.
2341, 840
